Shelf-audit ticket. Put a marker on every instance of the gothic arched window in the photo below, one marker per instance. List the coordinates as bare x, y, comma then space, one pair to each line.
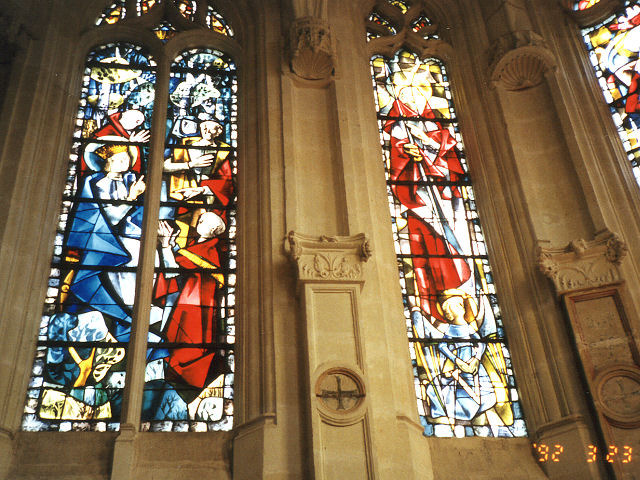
463, 376
614, 50
152, 275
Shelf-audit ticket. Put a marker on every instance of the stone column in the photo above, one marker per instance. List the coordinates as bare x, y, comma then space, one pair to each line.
330, 277
587, 276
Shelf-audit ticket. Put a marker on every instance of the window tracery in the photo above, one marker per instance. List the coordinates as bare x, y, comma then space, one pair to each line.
463, 376
186, 8
79, 374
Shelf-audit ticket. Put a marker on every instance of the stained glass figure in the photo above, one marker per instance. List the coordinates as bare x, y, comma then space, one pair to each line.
216, 22
113, 14
187, 8
79, 371
584, 4
614, 48
165, 31
463, 377
190, 372
424, 27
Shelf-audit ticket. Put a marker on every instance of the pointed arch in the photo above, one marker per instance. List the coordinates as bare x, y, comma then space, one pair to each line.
463, 376
81, 372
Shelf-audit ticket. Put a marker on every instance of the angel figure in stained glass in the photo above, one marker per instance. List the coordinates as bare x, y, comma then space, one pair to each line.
463, 379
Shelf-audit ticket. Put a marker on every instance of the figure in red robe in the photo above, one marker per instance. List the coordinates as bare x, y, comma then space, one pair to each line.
423, 151
193, 299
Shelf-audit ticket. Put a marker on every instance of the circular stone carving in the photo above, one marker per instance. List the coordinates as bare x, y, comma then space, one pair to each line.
617, 394
340, 396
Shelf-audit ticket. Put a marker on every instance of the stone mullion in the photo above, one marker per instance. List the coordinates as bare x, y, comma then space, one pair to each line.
136, 356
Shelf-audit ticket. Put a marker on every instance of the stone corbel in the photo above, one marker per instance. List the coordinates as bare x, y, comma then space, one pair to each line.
334, 259
520, 60
583, 264
312, 54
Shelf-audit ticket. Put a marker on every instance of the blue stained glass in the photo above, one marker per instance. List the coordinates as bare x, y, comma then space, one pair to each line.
79, 369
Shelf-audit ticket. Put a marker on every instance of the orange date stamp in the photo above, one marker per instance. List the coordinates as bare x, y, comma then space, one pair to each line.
553, 453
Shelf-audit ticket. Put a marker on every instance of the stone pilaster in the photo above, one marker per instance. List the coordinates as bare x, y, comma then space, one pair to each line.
587, 275
330, 276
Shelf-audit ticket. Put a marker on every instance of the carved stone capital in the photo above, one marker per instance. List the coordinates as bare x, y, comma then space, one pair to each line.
330, 259
583, 264
311, 48
520, 60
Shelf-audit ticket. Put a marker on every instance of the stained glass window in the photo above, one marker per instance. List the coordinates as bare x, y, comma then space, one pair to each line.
190, 370
463, 376
187, 8
584, 4
79, 371
165, 31
378, 26
145, 5
614, 47
78, 377
216, 22
400, 4
113, 13
423, 26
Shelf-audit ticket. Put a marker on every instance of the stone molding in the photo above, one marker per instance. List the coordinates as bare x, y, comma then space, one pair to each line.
331, 259
591, 16
520, 60
312, 53
622, 409
583, 264
355, 405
